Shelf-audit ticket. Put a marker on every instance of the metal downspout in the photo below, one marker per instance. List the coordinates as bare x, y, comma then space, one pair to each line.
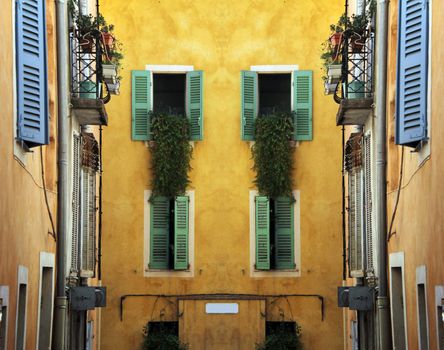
61, 301
383, 306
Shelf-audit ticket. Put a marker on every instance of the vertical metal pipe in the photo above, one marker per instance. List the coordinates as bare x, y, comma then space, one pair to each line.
61, 302
381, 173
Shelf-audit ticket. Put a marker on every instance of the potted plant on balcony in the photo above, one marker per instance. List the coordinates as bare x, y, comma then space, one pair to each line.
111, 66
87, 29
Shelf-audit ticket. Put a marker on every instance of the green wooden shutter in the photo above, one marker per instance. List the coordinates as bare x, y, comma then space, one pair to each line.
181, 228
141, 105
303, 105
195, 104
284, 233
262, 233
249, 100
159, 233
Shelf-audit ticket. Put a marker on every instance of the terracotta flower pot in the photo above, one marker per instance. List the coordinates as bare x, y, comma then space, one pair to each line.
336, 39
86, 43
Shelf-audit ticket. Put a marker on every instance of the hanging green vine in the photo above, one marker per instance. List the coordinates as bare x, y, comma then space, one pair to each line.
273, 154
171, 154
161, 339
283, 339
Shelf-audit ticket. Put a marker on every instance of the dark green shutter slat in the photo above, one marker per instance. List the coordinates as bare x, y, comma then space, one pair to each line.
181, 229
141, 105
303, 105
159, 233
249, 88
262, 233
284, 233
195, 104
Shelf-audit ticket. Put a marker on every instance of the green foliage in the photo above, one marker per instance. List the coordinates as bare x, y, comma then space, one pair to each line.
273, 154
283, 340
171, 154
161, 339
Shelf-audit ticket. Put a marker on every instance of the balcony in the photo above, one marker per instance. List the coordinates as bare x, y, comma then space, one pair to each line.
354, 93
87, 85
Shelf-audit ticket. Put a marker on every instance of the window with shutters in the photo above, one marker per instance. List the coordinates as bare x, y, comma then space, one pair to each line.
412, 73
170, 233
277, 90
31, 72
167, 91
356, 216
275, 239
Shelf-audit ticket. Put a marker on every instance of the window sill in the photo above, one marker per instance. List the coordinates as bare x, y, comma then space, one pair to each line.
150, 273
275, 273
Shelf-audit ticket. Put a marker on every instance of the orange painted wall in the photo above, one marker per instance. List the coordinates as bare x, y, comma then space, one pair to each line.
23, 215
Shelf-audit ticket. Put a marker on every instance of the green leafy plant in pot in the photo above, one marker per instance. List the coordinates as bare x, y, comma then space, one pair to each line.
87, 27
161, 339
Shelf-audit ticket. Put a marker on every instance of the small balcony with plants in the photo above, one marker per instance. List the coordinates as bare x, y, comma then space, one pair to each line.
95, 63
348, 67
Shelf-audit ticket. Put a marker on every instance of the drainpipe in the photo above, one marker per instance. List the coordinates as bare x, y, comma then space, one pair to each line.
381, 173
61, 300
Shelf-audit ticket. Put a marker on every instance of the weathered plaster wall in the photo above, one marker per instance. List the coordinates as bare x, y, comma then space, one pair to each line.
419, 225
222, 38
24, 219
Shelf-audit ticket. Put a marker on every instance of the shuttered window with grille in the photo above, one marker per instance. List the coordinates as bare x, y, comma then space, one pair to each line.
368, 208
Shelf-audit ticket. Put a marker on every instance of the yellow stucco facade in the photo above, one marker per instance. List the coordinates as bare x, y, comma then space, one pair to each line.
222, 38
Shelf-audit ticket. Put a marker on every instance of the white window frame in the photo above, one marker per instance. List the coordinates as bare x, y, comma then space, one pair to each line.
439, 302
4, 295
22, 278
296, 272
397, 260
147, 272
421, 278
46, 260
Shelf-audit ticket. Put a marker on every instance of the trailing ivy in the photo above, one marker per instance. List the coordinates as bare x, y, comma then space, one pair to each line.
171, 154
273, 154
282, 339
161, 339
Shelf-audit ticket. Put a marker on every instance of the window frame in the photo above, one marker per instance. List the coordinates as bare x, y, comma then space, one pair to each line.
147, 272
22, 278
396, 260
47, 260
421, 279
296, 272
4, 295
439, 303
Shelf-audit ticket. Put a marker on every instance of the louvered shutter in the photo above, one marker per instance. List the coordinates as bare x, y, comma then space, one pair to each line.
249, 100
88, 223
368, 210
355, 226
303, 105
262, 233
141, 105
32, 89
181, 228
411, 119
284, 233
159, 233
74, 265
195, 104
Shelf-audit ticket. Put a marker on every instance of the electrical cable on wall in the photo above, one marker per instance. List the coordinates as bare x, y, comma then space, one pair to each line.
390, 233
53, 233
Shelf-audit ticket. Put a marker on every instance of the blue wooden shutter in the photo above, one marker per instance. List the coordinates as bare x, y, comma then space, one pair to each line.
249, 100
141, 105
159, 233
262, 233
32, 88
195, 104
411, 118
284, 233
303, 105
181, 229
